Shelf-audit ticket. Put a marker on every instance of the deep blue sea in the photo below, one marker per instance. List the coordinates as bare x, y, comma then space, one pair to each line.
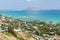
43, 15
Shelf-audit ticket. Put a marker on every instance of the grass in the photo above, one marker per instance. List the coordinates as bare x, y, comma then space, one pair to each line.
8, 34
20, 38
31, 38
1, 39
11, 35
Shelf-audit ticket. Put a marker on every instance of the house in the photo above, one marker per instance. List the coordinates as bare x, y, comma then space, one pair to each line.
6, 29
1, 30
35, 27
19, 29
37, 37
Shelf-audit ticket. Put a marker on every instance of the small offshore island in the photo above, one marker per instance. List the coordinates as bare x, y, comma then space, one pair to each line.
16, 29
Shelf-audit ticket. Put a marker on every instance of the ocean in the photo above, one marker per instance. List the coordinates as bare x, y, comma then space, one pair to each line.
27, 15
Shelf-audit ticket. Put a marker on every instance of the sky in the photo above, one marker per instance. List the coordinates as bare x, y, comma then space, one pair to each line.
22, 4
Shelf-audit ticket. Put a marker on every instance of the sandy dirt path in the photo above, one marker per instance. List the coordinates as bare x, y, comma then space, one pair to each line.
5, 37
24, 36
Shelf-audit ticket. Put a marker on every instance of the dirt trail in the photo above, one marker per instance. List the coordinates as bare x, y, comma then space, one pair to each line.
5, 37
22, 34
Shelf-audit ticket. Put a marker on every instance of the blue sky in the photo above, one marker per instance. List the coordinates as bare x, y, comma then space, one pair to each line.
22, 4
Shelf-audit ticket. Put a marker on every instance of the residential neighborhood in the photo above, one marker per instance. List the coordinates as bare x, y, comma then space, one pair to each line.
38, 30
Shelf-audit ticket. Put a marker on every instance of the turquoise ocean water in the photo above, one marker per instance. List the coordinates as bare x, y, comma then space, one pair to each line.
43, 15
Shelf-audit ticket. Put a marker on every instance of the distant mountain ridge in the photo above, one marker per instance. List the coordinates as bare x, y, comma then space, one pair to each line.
32, 8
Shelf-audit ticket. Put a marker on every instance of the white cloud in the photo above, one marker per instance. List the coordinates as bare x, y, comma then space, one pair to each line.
29, 0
